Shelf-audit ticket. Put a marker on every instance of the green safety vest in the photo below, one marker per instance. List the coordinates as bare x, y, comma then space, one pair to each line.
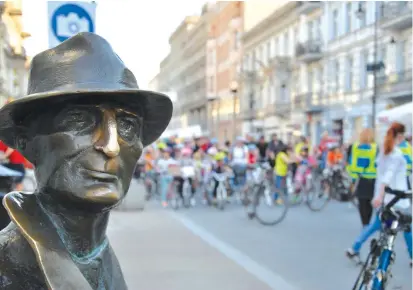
363, 160
406, 149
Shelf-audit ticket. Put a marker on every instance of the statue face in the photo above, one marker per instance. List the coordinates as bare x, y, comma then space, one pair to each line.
86, 153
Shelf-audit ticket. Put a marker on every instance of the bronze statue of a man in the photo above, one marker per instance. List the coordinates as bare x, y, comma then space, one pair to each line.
83, 125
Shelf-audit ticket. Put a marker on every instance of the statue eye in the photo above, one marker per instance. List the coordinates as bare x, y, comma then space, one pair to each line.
128, 127
76, 119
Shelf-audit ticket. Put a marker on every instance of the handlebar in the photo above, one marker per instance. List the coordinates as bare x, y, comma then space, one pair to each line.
398, 196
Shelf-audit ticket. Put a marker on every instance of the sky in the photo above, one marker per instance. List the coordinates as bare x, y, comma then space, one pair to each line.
138, 30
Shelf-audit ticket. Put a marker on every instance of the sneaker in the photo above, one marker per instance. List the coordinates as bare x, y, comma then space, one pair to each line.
192, 202
164, 204
352, 255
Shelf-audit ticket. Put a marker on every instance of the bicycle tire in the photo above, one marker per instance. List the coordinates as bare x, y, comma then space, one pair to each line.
315, 192
257, 215
221, 201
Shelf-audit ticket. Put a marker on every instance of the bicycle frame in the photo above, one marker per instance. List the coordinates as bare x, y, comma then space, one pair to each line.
384, 249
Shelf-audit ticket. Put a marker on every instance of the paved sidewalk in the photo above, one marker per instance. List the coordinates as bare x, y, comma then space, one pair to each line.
157, 252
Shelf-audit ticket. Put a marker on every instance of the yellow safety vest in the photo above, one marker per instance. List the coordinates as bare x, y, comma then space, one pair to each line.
363, 160
406, 149
281, 167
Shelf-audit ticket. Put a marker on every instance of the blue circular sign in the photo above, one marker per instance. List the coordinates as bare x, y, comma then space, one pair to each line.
70, 19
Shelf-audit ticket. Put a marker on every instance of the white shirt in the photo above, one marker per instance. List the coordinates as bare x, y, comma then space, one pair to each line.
163, 164
391, 170
240, 155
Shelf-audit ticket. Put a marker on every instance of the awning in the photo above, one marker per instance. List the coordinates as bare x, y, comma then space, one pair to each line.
402, 114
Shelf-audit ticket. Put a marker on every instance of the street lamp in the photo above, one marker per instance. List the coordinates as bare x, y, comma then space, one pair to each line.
234, 91
375, 66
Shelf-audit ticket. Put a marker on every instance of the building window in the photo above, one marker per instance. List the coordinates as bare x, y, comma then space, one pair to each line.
349, 17
400, 55
310, 31
336, 71
364, 59
269, 48
363, 16
286, 43
349, 74
335, 24
310, 81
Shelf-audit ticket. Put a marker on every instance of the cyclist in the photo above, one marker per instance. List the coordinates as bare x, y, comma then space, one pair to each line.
362, 165
391, 172
239, 161
282, 160
165, 178
218, 167
187, 165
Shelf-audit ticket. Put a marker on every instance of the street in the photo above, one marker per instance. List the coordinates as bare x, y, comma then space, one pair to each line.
203, 248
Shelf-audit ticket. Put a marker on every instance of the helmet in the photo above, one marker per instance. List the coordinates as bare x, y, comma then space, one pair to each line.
219, 156
212, 151
186, 151
162, 145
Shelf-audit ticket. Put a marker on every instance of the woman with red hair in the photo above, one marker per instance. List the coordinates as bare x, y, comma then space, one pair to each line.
391, 172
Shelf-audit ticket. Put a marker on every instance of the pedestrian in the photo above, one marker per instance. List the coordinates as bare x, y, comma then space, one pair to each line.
361, 157
391, 172
406, 149
274, 147
262, 146
16, 162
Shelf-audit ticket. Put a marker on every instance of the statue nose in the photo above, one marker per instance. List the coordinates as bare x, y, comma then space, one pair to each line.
108, 135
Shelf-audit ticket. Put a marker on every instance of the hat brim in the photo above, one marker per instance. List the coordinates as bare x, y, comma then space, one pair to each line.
156, 108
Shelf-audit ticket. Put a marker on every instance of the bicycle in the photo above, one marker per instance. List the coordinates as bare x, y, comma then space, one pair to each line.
222, 193
334, 184
262, 193
376, 270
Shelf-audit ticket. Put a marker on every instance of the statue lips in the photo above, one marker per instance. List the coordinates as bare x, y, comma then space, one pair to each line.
102, 176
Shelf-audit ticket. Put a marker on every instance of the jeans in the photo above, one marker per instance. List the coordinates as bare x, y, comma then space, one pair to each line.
281, 185
373, 227
165, 182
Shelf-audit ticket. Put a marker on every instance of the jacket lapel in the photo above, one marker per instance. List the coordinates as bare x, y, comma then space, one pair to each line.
59, 270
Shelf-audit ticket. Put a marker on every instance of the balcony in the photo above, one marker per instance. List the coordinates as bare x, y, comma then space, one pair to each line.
309, 103
395, 85
396, 15
309, 51
306, 7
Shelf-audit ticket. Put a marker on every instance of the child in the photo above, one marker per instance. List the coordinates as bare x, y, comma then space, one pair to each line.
188, 170
219, 168
165, 179
282, 160
305, 163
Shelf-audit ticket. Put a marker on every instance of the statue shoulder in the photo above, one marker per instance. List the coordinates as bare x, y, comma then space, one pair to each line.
17, 260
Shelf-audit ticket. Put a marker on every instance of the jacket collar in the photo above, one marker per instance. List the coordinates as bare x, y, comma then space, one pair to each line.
58, 268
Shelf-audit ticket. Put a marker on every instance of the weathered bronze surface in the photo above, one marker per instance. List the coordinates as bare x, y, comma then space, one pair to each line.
83, 125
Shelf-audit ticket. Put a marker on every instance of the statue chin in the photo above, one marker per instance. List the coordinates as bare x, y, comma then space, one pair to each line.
103, 195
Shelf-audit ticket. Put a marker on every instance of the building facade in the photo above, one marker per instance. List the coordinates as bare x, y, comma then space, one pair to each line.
183, 72
310, 70
14, 62
224, 55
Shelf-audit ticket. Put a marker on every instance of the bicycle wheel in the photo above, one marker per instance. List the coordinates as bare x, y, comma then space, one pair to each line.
221, 197
186, 193
269, 208
318, 195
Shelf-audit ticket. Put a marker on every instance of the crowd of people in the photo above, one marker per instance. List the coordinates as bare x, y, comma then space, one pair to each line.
370, 164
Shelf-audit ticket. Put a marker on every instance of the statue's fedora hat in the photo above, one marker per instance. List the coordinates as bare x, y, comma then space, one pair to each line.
84, 67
